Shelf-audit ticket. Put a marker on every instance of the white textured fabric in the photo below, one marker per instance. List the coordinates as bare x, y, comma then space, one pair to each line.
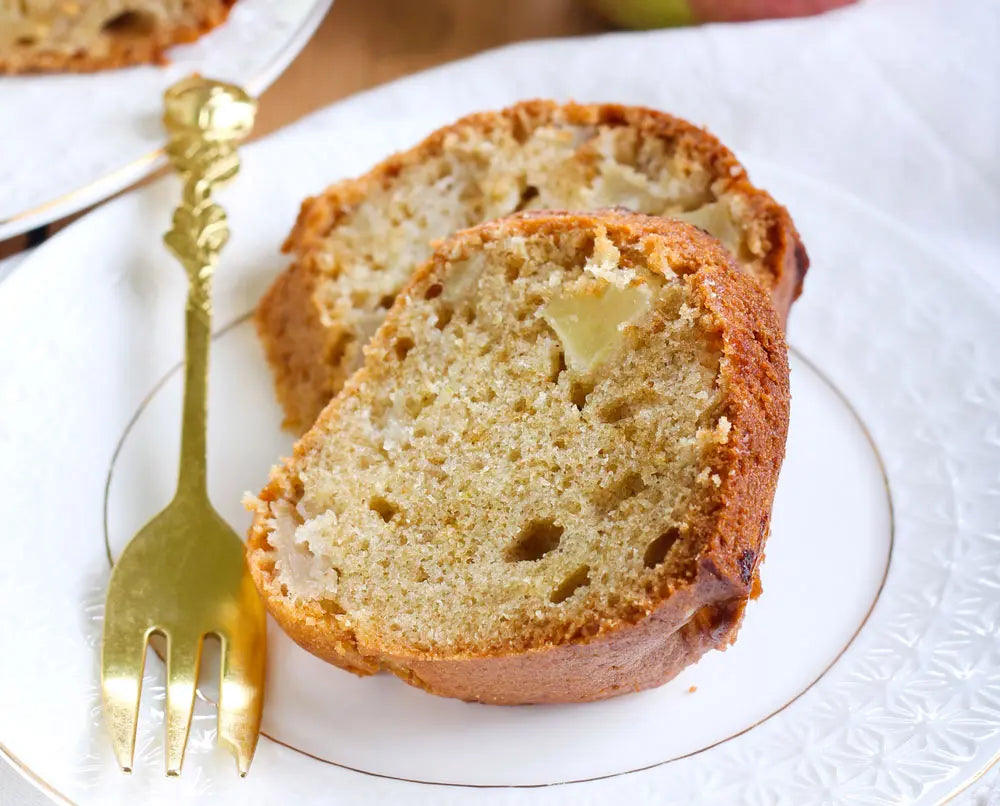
896, 101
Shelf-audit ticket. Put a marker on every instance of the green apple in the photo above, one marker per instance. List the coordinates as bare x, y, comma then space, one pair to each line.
661, 13
645, 13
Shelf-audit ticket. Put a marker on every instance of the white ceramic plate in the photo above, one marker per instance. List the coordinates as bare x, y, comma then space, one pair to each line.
868, 672
72, 140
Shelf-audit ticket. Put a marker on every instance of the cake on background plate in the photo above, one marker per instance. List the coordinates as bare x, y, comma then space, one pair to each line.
86, 35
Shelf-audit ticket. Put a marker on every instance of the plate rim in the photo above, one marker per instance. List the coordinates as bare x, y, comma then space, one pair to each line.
30, 776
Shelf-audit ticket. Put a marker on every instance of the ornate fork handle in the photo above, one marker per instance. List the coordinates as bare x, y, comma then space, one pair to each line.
204, 120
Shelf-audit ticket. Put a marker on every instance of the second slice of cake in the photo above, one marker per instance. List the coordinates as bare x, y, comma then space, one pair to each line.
357, 244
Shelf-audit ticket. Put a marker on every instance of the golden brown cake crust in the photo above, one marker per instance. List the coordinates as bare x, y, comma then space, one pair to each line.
641, 648
121, 52
290, 315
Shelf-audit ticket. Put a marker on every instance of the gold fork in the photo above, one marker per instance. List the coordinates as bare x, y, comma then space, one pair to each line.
184, 575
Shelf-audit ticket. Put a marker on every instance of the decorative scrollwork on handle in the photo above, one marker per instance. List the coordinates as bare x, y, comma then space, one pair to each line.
204, 120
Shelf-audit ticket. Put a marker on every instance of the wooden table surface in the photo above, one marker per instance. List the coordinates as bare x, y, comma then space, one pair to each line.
363, 43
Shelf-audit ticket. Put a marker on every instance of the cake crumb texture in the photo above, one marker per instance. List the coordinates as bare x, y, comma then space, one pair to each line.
491, 521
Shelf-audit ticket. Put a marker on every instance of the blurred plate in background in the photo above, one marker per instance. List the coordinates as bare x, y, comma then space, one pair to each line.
70, 140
